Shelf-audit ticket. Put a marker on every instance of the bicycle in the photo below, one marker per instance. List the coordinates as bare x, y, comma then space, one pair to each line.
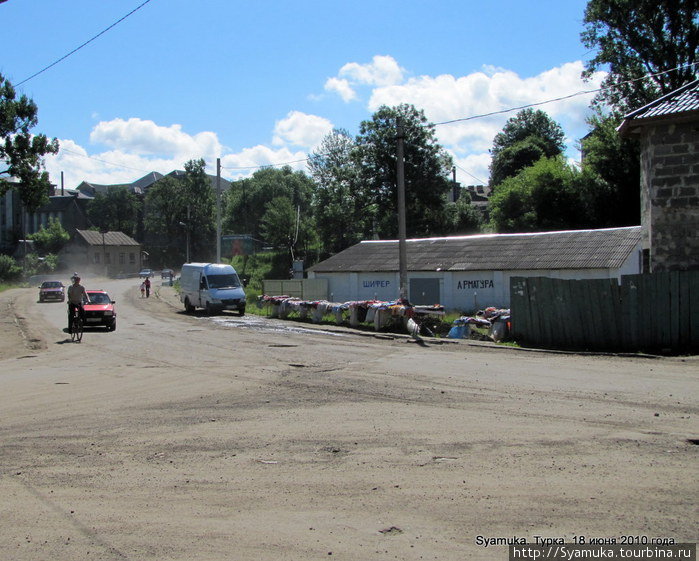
76, 326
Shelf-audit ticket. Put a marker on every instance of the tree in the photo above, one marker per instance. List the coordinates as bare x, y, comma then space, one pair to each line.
638, 38
550, 195
50, 239
116, 210
175, 206
340, 206
427, 167
617, 161
464, 217
248, 200
21, 153
525, 139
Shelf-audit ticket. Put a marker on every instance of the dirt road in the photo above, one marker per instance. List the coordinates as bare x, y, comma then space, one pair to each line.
183, 438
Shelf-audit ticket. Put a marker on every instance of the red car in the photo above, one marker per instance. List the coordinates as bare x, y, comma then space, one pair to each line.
99, 310
52, 290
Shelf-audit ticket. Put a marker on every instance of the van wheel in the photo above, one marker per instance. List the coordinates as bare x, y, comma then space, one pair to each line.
241, 312
188, 306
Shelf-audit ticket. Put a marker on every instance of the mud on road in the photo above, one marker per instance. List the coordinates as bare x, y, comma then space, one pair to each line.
182, 437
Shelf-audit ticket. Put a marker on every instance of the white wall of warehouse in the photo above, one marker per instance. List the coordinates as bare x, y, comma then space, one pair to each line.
463, 291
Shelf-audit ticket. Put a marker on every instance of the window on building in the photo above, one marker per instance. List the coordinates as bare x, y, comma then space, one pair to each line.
107, 258
96, 258
122, 258
132, 258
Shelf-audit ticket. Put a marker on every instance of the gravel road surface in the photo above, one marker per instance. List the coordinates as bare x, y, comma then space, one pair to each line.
183, 437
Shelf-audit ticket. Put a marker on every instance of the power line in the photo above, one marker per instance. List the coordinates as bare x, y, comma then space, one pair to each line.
470, 174
103, 161
267, 165
83, 45
472, 117
583, 92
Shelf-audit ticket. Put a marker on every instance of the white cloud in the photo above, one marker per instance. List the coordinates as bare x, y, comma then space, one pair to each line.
144, 137
301, 129
342, 87
447, 98
141, 146
382, 71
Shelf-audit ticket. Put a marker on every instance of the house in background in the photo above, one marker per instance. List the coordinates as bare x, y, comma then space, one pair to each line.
668, 129
101, 253
68, 207
468, 273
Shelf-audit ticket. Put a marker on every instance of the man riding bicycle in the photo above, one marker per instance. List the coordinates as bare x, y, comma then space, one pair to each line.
76, 297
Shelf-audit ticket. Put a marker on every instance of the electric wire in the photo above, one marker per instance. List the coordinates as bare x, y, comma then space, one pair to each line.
75, 50
463, 119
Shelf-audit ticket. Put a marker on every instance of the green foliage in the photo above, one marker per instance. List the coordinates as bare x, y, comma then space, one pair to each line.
21, 152
427, 168
274, 205
340, 206
50, 239
10, 270
115, 210
35, 265
177, 205
464, 217
525, 139
636, 38
617, 161
550, 195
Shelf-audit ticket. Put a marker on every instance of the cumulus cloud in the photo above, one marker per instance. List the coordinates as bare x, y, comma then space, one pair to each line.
140, 146
147, 138
380, 72
342, 88
465, 99
301, 129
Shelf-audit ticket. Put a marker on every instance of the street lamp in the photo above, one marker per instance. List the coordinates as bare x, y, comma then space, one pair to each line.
186, 228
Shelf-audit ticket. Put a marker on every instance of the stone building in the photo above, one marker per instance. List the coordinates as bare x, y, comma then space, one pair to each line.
668, 129
110, 254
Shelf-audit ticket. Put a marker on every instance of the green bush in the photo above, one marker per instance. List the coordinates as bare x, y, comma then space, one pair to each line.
9, 269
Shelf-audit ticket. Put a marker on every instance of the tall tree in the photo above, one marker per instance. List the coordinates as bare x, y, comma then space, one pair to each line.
265, 204
175, 206
116, 210
524, 140
340, 206
616, 160
21, 152
637, 38
427, 167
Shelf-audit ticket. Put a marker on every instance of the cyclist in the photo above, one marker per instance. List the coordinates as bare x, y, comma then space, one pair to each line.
76, 297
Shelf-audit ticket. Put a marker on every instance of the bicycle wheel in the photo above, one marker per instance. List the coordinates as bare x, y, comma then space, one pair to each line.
76, 330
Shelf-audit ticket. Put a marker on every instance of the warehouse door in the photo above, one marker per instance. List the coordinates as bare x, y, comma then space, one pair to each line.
424, 292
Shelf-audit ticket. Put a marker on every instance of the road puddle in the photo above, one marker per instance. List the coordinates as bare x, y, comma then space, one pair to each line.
267, 325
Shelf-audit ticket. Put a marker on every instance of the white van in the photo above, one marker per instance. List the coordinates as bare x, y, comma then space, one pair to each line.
212, 286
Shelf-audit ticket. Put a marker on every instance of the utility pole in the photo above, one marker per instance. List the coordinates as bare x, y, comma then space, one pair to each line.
218, 210
400, 180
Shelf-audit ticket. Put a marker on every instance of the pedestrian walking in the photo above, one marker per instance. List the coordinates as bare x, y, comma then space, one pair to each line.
147, 283
143, 290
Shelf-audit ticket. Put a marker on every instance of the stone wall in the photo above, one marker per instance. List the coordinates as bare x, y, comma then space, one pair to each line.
670, 195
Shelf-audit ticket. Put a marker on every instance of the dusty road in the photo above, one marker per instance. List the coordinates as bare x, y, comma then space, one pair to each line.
183, 438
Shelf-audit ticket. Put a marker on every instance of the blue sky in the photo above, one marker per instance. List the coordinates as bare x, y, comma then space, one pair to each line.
259, 83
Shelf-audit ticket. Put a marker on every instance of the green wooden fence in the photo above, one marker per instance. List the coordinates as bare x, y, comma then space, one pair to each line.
654, 312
